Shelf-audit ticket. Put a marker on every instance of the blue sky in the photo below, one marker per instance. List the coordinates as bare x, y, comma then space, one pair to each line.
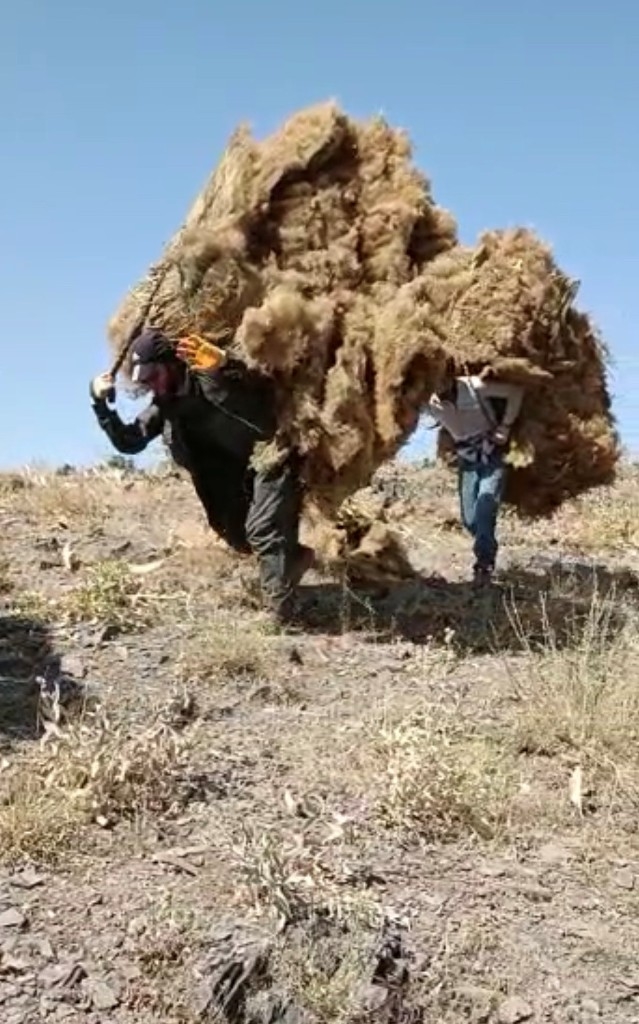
113, 114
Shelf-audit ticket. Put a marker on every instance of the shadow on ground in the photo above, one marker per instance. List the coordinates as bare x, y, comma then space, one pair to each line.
523, 606
26, 652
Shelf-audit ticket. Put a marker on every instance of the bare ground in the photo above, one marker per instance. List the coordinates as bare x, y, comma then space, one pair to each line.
421, 807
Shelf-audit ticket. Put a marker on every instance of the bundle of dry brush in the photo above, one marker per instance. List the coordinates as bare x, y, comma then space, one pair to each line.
320, 257
509, 312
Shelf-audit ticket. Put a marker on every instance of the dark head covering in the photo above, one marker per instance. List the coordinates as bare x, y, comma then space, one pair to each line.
148, 350
151, 346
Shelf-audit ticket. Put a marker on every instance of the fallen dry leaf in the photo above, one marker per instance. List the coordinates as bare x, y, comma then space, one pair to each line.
144, 568
575, 789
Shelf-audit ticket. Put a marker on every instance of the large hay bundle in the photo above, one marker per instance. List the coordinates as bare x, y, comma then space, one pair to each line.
319, 256
301, 251
509, 312
359, 546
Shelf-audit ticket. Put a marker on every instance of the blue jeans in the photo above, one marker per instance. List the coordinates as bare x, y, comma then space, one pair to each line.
480, 491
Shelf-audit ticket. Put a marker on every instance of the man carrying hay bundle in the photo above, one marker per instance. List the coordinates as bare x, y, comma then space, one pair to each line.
212, 417
479, 415
319, 258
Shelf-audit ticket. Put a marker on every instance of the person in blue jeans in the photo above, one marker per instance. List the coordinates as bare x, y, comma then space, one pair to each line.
479, 415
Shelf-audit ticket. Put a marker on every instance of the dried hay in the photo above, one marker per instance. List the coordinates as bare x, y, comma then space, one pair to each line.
319, 257
359, 547
509, 313
300, 252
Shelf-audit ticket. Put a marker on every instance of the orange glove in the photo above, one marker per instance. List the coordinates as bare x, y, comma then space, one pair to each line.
200, 354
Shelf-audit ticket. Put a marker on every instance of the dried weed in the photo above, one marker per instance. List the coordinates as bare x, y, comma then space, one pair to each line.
92, 772
580, 702
111, 594
439, 780
62, 500
325, 977
226, 650
299, 877
604, 520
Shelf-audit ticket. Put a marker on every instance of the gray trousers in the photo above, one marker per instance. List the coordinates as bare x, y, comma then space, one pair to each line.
255, 512
272, 528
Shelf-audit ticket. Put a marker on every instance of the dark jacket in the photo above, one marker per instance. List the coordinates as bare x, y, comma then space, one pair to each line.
227, 411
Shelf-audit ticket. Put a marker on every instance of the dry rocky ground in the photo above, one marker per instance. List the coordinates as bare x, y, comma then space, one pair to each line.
422, 807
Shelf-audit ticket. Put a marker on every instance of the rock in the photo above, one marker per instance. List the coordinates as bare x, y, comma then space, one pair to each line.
553, 853
129, 972
624, 879
7, 992
27, 879
103, 995
514, 1010
45, 949
477, 1000
12, 918
10, 964
9, 944
271, 1008
18, 1016
591, 1006
74, 665
65, 975
236, 960
536, 893
48, 1004
372, 999
493, 870
63, 1012
136, 927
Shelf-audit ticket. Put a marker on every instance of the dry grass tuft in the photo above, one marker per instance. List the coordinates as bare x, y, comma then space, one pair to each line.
12, 484
300, 877
31, 605
6, 581
92, 772
63, 500
325, 978
226, 650
605, 520
439, 780
581, 703
112, 595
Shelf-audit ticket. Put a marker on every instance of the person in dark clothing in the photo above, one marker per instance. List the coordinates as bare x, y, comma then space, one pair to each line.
211, 421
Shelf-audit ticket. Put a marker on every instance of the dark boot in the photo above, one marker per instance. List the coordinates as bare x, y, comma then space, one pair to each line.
277, 591
302, 561
482, 575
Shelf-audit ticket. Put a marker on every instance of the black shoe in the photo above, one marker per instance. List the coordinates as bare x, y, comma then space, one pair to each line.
286, 614
483, 575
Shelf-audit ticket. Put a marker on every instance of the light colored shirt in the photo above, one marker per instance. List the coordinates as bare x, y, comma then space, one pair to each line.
468, 418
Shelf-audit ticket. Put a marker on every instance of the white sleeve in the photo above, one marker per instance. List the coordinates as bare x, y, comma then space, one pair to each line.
513, 393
